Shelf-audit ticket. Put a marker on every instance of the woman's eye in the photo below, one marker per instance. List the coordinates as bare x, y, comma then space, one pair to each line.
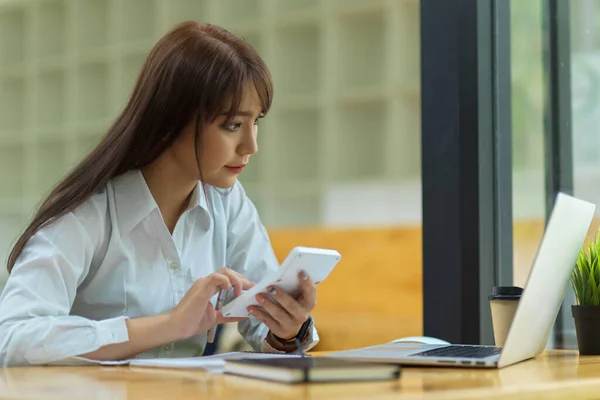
234, 126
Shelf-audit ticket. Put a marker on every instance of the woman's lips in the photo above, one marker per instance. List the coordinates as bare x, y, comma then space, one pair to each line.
236, 169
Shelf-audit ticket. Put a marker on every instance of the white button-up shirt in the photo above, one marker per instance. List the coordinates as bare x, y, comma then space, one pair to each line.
80, 277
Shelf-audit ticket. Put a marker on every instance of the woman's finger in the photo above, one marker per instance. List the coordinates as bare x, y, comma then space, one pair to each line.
275, 311
263, 316
297, 312
238, 281
211, 285
308, 299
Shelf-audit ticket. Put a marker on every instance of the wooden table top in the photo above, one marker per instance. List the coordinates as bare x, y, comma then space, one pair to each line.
555, 374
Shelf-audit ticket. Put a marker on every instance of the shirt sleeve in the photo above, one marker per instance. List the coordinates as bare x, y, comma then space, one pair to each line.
35, 325
250, 253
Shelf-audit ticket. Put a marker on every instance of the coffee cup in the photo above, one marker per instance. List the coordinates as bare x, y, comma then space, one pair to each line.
503, 303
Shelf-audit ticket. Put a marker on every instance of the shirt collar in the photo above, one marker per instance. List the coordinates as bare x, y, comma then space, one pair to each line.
134, 201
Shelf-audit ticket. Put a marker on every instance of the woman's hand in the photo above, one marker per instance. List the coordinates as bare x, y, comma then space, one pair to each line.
283, 314
195, 314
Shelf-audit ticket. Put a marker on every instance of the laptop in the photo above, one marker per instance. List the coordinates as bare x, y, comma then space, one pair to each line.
539, 305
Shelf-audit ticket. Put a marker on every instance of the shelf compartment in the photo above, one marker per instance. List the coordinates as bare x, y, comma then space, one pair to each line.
360, 141
404, 131
12, 104
357, 6
296, 210
51, 35
12, 224
298, 72
85, 144
362, 51
93, 87
255, 40
13, 36
235, 11
409, 57
184, 10
297, 147
131, 66
138, 21
12, 158
93, 22
366, 94
50, 102
295, 6
51, 165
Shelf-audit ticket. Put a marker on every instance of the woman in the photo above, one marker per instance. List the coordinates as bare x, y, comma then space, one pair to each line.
125, 255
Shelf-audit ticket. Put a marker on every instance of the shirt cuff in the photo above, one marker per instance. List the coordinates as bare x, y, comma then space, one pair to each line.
111, 331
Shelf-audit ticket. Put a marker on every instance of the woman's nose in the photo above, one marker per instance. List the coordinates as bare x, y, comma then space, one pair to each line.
249, 145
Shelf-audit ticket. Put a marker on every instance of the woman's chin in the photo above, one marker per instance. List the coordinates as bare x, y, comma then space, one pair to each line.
222, 183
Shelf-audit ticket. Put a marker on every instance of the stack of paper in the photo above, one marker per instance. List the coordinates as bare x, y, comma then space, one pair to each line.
214, 363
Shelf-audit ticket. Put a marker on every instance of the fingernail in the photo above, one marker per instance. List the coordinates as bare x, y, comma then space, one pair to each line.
272, 291
304, 276
250, 310
260, 299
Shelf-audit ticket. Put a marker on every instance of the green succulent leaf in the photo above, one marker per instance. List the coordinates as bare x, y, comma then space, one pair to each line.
585, 277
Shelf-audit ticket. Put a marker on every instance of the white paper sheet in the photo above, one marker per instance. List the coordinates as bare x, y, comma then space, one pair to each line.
214, 363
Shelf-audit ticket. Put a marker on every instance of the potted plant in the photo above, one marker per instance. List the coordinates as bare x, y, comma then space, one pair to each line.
585, 281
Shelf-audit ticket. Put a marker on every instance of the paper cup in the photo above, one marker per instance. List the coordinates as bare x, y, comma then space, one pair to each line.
503, 303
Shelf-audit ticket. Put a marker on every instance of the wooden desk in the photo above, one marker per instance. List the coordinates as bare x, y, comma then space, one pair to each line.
555, 375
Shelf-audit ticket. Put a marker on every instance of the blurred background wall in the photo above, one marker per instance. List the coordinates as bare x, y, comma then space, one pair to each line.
346, 98
346, 75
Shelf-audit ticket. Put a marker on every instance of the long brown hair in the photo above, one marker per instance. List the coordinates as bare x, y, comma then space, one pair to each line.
193, 71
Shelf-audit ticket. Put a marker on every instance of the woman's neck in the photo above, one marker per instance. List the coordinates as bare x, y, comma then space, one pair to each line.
170, 187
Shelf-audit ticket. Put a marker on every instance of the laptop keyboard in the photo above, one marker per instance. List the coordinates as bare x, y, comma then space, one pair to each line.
461, 351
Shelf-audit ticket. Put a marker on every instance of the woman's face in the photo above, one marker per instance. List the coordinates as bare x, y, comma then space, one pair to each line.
226, 147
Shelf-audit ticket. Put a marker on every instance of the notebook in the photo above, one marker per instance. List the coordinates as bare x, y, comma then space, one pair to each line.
311, 369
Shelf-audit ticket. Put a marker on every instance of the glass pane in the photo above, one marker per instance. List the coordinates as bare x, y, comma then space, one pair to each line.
527, 70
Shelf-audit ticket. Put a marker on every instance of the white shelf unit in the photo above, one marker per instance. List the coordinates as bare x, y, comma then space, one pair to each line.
346, 74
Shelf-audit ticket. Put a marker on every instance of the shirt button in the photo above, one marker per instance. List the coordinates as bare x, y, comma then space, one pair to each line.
174, 266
